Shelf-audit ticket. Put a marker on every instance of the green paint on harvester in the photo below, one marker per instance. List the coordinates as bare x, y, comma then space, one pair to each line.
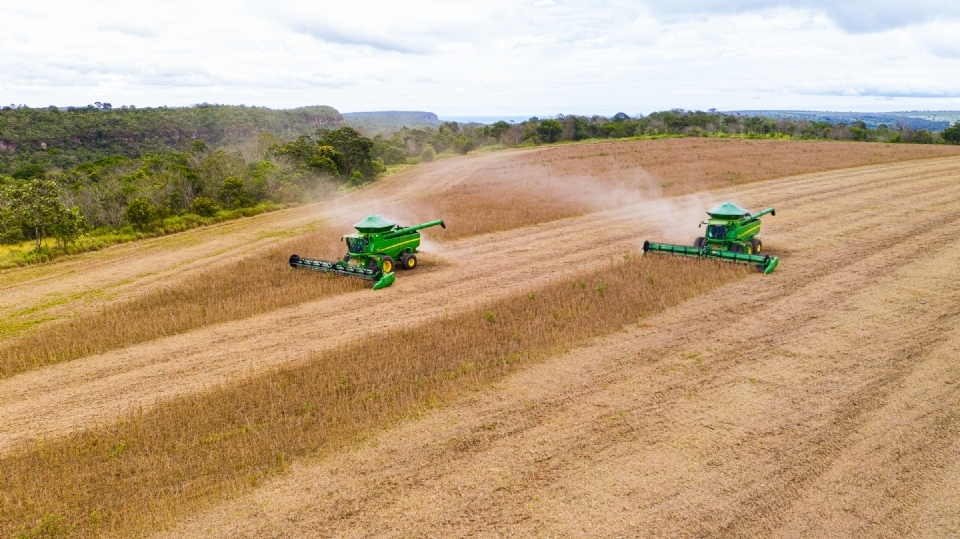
731, 235
373, 252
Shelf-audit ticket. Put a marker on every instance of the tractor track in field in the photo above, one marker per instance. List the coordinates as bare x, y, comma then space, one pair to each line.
60, 398
820, 401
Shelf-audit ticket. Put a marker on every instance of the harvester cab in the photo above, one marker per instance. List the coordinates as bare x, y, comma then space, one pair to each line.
731, 235
373, 251
732, 228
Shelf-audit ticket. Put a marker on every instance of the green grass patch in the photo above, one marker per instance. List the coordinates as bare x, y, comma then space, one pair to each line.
24, 254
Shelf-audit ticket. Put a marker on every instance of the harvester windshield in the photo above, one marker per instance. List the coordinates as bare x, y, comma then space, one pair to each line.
716, 232
356, 245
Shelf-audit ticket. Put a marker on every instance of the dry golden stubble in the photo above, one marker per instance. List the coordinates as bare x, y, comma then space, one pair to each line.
259, 283
157, 465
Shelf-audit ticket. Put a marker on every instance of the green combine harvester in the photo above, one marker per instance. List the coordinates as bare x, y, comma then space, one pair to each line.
731, 235
373, 252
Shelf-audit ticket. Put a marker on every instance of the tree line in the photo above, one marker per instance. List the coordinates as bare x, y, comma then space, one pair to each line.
178, 189
425, 143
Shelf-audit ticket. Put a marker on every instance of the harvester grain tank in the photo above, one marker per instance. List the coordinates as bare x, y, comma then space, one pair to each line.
374, 251
731, 235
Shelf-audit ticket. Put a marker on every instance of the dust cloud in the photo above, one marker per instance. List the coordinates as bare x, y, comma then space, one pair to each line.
675, 218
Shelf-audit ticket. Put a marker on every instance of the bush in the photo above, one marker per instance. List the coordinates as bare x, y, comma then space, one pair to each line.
921, 136
234, 194
289, 193
139, 213
463, 144
356, 179
204, 207
550, 130
428, 154
951, 135
11, 236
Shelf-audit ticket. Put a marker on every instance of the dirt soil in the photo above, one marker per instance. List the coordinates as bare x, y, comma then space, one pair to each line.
820, 401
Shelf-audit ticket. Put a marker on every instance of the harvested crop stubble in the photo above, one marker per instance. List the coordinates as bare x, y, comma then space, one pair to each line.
254, 285
555, 182
156, 465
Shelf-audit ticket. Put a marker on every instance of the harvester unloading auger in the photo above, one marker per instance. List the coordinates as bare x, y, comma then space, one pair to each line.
731, 235
372, 253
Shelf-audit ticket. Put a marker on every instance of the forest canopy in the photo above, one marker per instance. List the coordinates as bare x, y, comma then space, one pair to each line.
62, 138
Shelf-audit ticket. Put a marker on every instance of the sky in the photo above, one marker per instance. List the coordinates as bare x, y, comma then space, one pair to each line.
489, 57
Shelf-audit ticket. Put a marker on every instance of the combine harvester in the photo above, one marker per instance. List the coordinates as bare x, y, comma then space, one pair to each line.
731, 235
373, 251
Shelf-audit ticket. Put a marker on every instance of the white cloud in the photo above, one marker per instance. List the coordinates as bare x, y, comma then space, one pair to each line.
489, 57
858, 17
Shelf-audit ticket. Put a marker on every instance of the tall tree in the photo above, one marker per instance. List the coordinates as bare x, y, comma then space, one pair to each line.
550, 130
68, 227
354, 147
36, 205
951, 134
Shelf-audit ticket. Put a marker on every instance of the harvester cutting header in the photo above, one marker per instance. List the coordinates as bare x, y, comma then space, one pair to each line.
373, 251
731, 235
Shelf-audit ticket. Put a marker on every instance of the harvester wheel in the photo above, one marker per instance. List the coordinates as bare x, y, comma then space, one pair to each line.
757, 246
408, 261
700, 242
386, 264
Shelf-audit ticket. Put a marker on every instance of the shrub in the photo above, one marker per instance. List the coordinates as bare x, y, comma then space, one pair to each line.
428, 154
289, 193
550, 130
234, 194
204, 207
356, 179
139, 213
951, 135
463, 144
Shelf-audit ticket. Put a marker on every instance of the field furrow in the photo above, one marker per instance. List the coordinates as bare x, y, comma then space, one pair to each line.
818, 401
60, 398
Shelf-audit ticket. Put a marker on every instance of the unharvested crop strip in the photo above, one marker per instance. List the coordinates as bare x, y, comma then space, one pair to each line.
156, 465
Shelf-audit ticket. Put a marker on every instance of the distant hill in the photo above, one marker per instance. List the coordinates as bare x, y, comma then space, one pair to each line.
929, 120
62, 138
382, 122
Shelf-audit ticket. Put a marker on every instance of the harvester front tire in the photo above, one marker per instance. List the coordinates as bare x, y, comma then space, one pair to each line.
386, 264
700, 242
757, 246
408, 261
